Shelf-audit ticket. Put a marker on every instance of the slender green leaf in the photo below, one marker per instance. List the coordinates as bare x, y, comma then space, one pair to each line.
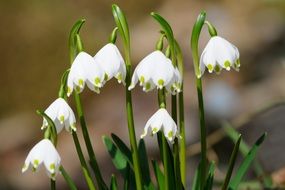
72, 38
68, 179
122, 24
168, 32
210, 178
144, 165
123, 148
158, 175
244, 149
114, 184
194, 41
231, 163
120, 162
197, 178
246, 163
117, 156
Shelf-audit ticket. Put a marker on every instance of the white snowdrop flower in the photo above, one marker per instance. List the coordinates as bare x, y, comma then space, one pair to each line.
45, 153
219, 54
62, 116
155, 70
111, 61
161, 120
84, 70
174, 86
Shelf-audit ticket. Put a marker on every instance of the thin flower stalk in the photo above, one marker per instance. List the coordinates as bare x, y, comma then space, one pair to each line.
122, 25
86, 172
194, 46
75, 43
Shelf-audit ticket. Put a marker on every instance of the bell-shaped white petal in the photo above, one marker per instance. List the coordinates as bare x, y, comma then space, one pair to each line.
174, 86
155, 70
78, 72
161, 120
45, 153
111, 61
84, 70
62, 116
219, 54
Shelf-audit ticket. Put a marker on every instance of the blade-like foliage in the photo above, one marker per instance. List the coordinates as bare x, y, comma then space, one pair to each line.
246, 163
114, 184
210, 178
123, 148
197, 178
158, 174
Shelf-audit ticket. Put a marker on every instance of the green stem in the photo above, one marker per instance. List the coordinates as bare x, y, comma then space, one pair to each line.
68, 179
83, 163
123, 28
131, 128
195, 54
80, 114
165, 153
182, 153
52, 184
176, 145
203, 132
91, 153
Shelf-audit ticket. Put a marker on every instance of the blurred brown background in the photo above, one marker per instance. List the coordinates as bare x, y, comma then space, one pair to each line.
34, 54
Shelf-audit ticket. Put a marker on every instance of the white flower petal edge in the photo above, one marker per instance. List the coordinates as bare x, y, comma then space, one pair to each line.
161, 120
219, 54
62, 115
111, 61
84, 70
45, 153
155, 70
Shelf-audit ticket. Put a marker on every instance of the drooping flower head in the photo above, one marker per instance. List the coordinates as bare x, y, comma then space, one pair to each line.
84, 69
62, 116
45, 153
161, 120
111, 61
156, 70
219, 54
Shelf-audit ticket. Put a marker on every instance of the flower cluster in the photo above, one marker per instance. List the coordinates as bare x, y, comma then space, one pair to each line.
95, 71
219, 54
45, 153
157, 71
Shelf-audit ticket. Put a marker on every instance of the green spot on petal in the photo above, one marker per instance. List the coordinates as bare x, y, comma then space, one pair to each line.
160, 82
61, 118
147, 86
170, 134
97, 81
106, 77
154, 130
237, 63
227, 64
217, 69
210, 67
142, 80
119, 77
52, 166
80, 82
36, 163
68, 90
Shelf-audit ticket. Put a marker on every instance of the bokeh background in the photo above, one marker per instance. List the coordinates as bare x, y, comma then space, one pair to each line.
34, 54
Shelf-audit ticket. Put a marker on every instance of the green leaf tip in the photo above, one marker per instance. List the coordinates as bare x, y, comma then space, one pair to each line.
261, 139
73, 39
